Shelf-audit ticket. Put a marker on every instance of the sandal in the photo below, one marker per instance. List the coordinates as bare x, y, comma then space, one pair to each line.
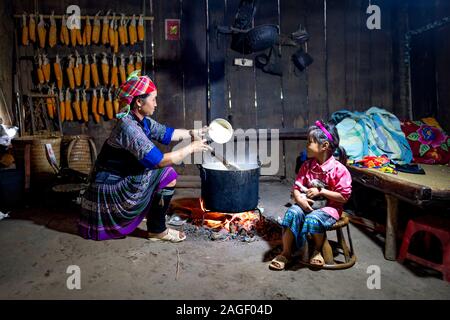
278, 263
171, 236
317, 259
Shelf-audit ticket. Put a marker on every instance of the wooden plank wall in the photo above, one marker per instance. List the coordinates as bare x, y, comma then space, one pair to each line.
352, 67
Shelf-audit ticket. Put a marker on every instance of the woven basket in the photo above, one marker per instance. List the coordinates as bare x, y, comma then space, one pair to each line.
41, 170
78, 152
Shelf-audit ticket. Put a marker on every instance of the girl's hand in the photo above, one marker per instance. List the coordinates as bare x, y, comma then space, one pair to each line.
305, 204
312, 193
199, 146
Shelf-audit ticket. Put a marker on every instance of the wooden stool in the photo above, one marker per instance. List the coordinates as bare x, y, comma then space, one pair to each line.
437, 226
340, 246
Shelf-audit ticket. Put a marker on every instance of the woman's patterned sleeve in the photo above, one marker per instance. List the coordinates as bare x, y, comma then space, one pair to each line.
160, 132
131, 137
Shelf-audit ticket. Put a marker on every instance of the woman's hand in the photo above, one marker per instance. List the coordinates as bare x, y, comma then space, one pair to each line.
198, 134
312, 193
199, 146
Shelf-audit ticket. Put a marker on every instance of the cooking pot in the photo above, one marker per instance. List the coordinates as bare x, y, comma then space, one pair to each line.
229, 191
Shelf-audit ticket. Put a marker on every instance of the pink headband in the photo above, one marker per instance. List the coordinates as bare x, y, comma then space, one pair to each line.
320, 125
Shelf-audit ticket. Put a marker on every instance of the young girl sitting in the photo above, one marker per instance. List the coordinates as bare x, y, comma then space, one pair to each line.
301, 219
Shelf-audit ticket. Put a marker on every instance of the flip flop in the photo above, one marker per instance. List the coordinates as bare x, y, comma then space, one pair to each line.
278, 263
171, 236
317, 256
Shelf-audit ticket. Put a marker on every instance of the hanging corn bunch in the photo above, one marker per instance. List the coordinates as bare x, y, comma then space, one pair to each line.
64, 32
84, 107
51, 103
130, 65
69, 114
62, 106
111, 30
96, 29
76, 105
70, 72
114, 73
73, 35
105, 29
109, 106
94, 71
87, 34
116, 37
101, 104
122, 72
105, 70
122, 30
138, 64
94, 101
46, 68
87, 72
58, 73
25, 31
78, 71
132, 30
42, 33
32, 28
52, 32
140, 28
40, 72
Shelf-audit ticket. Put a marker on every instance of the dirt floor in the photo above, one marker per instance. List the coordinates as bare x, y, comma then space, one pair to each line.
38, 245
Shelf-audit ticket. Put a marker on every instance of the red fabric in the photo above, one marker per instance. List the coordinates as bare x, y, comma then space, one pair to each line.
134, 87
429, 144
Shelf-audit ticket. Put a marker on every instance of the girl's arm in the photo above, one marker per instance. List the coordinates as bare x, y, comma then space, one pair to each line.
332, 195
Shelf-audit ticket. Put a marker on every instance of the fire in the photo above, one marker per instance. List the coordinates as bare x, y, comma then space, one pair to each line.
231, 222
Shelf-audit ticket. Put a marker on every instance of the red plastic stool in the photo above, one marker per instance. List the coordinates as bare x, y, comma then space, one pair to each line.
437, 226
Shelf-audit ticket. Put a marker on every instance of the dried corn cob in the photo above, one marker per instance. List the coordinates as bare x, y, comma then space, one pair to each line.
130, 65
76, 105
70, 72
52, 32
123, 75
94, 102
73, 36
116, 105
64, 33
25, 31
94, 71
132, 30
114, 73
125, 34
46, 68
40, 72
138, 64
88, 31
111, 30
105, 29
140, 28
116, 38
109, 106
87, 73
50, 104
32, 28
79, 37
101, 104
62, 106
78, 71
84, 107
96, 29
105, 70
122, 30
58, 72
69, 114
42, 33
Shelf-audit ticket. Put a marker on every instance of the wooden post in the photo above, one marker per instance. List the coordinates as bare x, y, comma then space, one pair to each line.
390, 251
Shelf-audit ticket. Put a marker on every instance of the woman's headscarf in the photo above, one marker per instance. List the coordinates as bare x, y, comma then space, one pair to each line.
134, 86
